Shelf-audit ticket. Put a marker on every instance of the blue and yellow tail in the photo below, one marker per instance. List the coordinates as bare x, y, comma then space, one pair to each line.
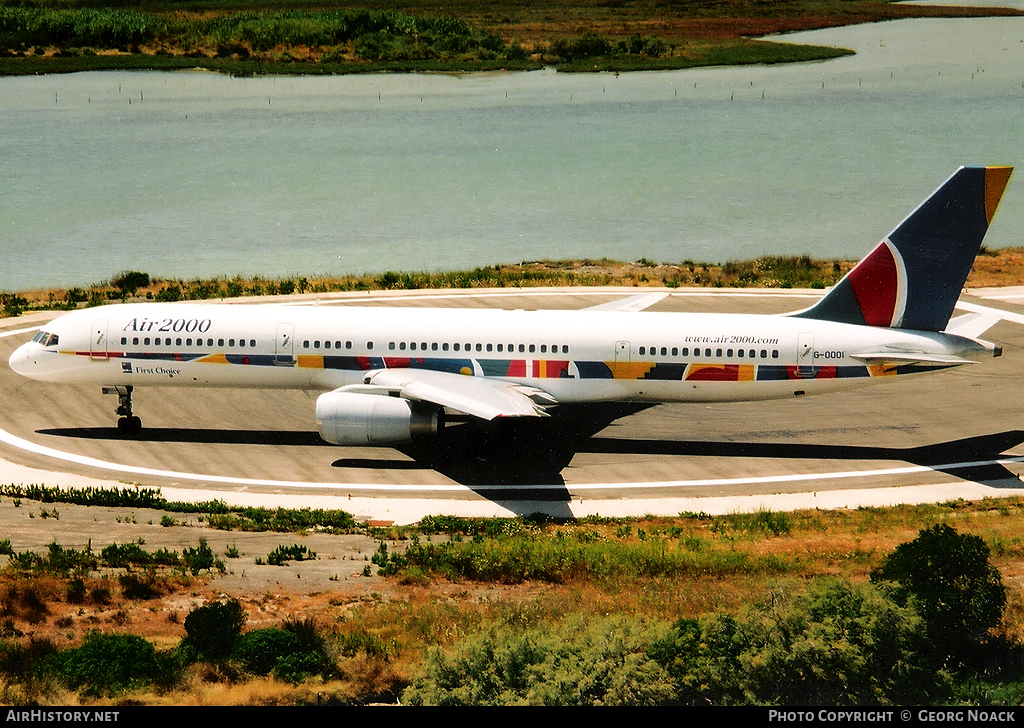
913, 278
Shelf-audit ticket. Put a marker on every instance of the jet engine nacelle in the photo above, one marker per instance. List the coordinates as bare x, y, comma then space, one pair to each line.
351, 418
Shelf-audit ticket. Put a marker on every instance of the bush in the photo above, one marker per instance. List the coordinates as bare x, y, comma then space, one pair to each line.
20, 661
259, 650
604, 663
843, 645
703, 660
199, 558
948, 577
588, 45
13, 304
211, 630
292, 652
107, 664
134, 587
125, 555
129, 282
299, 665
295, 552
840, 645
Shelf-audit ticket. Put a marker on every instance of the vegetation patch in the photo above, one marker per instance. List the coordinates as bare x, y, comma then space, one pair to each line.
282, 554
581, 555
293, 36
218, 514
109, 664
907, 605
998, 267
837, 644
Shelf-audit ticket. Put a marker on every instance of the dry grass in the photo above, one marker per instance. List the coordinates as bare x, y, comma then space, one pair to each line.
1002, 267
379, 640
683, 21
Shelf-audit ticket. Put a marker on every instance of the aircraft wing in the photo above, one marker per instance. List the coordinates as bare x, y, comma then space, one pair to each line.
631, 303
476, 396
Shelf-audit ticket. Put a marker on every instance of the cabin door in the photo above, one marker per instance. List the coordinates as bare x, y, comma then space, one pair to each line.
284, 346
98, 345
622, 356
805, 356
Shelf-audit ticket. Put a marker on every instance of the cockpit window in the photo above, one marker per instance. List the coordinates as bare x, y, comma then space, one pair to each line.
46, 338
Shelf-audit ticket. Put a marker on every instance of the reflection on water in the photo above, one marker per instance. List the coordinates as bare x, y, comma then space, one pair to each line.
194, 174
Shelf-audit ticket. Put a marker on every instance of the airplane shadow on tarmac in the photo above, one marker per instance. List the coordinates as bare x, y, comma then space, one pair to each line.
535, 453
510, 452
200, 436
968, 458
519, 454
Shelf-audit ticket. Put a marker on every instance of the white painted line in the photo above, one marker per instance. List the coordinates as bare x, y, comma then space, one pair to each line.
56, 454
16, 332
1002, 293
1005, 315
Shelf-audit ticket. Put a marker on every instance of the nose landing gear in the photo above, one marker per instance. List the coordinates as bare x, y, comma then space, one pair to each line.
128, 423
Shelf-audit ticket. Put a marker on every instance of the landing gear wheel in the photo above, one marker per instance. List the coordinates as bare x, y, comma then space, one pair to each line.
129, 425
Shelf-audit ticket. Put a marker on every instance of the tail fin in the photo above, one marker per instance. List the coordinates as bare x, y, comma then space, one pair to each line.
913, 278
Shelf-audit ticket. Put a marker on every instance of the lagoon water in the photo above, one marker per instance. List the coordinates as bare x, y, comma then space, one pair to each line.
197, 174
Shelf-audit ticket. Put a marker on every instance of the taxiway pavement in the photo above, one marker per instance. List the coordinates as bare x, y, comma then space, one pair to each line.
917, 439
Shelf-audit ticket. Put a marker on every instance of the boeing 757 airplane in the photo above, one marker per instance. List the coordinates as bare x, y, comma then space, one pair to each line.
391, 375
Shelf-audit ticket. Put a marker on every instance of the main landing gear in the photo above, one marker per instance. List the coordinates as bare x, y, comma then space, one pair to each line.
128, 424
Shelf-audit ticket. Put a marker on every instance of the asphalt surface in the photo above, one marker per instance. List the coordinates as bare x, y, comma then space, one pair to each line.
920, 438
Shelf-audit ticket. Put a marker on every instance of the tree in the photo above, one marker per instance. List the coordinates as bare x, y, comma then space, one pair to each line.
948, 577
129, 282
211, 630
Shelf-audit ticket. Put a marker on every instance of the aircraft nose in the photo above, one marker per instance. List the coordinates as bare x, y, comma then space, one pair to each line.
21, 360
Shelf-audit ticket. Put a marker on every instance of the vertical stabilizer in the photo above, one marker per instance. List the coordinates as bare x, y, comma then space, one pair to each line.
913, 278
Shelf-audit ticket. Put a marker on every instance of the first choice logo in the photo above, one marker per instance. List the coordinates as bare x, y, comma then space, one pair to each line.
128, 368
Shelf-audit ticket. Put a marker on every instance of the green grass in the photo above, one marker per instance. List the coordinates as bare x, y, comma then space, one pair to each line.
516, 559
218, 513
682, 577
724, 53
299, 37
767, 271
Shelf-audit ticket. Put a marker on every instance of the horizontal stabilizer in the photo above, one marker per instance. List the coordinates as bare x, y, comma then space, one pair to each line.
972, 325
910, 357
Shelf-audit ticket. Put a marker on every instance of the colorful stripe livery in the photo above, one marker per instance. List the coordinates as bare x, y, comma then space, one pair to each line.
543, 368
913, 278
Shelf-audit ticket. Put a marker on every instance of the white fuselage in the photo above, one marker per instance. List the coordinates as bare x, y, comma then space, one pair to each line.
574, 356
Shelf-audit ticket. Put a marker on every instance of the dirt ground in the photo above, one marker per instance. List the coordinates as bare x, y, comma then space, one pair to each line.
271, 594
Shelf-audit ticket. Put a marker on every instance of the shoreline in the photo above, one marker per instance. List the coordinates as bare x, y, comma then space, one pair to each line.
992, 268
485, 36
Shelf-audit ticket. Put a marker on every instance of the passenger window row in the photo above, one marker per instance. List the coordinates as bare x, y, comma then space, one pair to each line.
178, 341
316, 344
708, 353
446, 346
